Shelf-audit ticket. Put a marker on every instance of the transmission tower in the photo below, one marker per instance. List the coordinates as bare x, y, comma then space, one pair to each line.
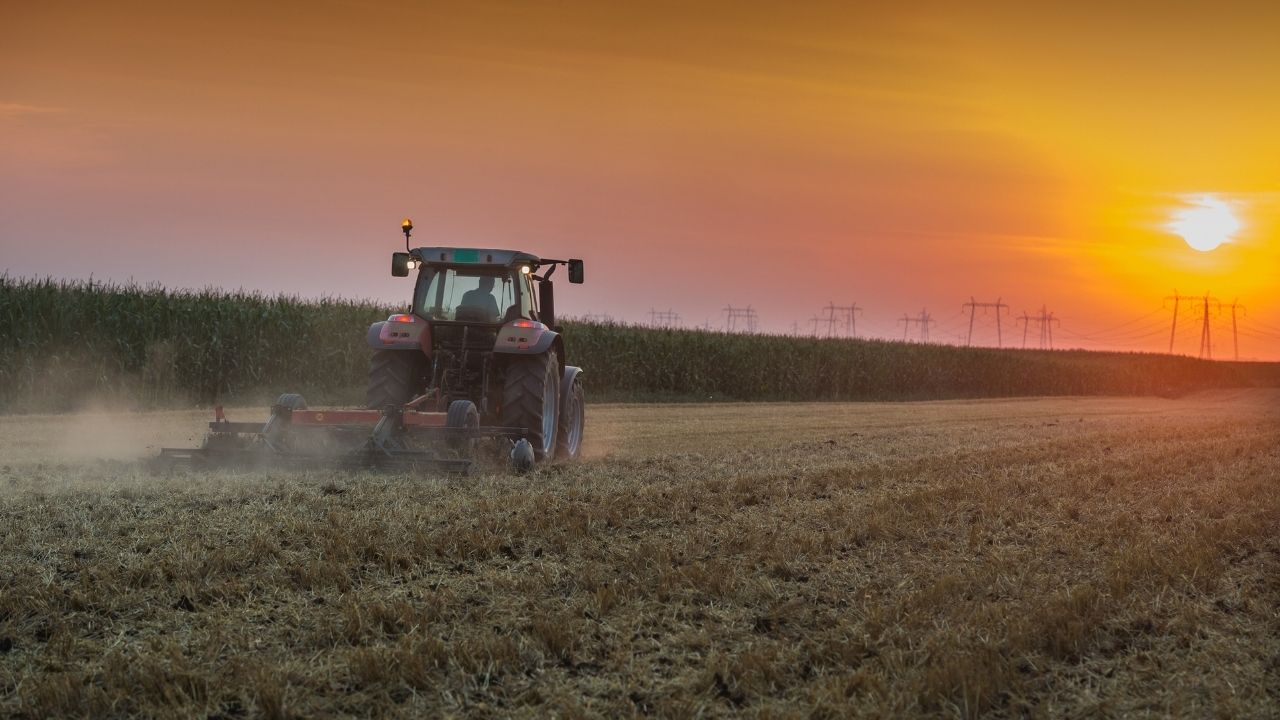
999, 306
1206, 344
924, 320
842, 317
1206, 341
740, 319
1235, 337
664, 318
1044, 320
829, 317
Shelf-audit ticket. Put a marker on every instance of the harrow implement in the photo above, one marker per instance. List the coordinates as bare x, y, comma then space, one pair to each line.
396, 437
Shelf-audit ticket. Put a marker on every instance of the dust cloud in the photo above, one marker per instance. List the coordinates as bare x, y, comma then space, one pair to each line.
97, 434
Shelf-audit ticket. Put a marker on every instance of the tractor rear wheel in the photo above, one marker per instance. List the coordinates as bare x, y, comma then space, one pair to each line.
395, 377
572, 417
531, 400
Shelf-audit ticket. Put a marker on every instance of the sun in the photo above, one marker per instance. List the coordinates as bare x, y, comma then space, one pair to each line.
1206, 223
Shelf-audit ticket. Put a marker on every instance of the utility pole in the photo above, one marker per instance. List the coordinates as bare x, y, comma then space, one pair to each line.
999, 306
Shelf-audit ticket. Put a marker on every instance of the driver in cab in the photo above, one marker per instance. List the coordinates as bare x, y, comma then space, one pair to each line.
482, 299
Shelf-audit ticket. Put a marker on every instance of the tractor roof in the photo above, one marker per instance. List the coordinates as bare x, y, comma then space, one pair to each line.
476, 256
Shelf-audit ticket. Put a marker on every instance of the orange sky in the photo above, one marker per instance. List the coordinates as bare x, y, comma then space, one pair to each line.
738, 153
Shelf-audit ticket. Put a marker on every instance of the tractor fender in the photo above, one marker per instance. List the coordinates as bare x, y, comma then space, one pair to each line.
532, 340
393, 335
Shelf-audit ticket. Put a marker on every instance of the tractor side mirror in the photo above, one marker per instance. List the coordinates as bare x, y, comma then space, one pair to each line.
400, 264
547, 303
575, 272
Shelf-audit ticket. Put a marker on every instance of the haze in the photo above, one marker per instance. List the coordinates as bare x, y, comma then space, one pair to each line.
738, 153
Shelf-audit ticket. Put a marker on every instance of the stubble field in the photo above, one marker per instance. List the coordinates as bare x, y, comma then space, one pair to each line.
1064, 557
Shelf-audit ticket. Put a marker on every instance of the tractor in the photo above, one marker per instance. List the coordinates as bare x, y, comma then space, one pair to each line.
479, 355
482, 341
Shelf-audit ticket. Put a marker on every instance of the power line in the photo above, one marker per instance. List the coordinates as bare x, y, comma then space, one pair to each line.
1115, 328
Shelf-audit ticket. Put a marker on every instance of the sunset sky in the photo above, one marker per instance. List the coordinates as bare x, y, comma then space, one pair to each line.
782, 155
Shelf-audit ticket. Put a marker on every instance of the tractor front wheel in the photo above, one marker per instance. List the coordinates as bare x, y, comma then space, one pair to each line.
531, 400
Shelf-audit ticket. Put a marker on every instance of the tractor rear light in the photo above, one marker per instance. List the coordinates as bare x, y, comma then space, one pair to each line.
393, 332
522, 333
401, 318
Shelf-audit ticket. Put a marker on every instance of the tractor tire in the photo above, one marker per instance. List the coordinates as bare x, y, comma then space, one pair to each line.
531, 400
395, 377
462, 414
572, 417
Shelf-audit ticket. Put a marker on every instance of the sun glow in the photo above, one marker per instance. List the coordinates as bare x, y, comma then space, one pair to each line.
1206, 223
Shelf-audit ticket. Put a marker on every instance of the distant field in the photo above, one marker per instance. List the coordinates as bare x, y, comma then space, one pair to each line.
1042, 557
76, 345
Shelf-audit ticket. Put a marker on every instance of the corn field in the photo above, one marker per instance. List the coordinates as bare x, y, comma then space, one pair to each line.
66, 344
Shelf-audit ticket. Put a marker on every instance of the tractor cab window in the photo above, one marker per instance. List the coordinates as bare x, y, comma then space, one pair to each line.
470, 295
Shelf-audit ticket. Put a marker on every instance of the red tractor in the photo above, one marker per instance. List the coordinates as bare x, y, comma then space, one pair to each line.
479, 355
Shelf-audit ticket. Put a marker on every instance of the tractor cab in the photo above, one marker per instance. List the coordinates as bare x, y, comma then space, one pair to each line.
473, 295
474, 286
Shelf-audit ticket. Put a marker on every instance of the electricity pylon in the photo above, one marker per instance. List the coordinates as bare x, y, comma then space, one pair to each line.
1045, 321
840, 316
736, 319
973, 306
1206, 341
924, 320
1235, 337
664, 318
